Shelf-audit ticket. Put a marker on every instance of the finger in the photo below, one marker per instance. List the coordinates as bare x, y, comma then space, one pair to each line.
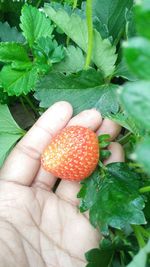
117, 153
24, 161
68, 190
88, 118
109, 127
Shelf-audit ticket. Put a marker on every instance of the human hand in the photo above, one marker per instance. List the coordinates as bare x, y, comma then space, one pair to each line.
40, 228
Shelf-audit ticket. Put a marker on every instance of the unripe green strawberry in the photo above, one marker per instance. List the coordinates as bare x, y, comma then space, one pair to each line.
72, 154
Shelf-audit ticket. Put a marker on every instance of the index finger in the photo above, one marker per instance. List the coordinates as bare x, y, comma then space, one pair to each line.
24, 161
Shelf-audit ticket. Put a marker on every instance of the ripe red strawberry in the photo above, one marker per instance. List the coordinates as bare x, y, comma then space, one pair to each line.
72, 154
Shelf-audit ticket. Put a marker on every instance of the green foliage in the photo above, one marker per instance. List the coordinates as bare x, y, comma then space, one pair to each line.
114, 200
7, 141
142, 154
73, 60
142, 16
51, 89
89, 83
122, 71
18, 82
34, 24
4, 98
10, 52
8, 34
47, 51
103, 144
135, 98
10, 10
10, 132
108, 103
111, 252
75, 28
137, 54
26, 66
109, 17
140, 260
102, 255
48, 56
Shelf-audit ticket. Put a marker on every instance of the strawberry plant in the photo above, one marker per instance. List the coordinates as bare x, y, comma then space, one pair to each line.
91, 53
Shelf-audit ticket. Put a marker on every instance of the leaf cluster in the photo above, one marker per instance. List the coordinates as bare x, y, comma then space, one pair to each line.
110, 206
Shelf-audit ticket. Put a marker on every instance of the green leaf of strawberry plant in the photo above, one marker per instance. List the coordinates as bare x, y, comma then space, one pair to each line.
142, 258
104, 140
87, 83
48, 51
7, 123
105, 154
73, 60
137, 54
10, 132
7, 141
135, 99
108, 102
142, 17
142, 154
75, 28
87, 192
34, 24
10, 52
109, 17
103, 144
125, 121
110, 253
4, 98
102, 255
113, 199
8, 34
123, 71
130, 29
83, 90
17, 82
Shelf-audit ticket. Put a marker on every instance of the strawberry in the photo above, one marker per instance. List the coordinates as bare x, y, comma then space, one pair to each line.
72, 154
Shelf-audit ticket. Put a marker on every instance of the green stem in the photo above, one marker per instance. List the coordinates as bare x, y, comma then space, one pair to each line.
38, 3
125, 139
67, 41
75, 4
25, 108
144, 189
31, 104
138, 235
90, 33
145, 232
134, 165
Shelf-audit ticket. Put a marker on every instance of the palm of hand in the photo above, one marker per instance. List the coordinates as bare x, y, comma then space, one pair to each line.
47, 230
40, 228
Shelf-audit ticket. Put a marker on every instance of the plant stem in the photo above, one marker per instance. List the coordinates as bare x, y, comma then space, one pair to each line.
31, 104
67, 41
25, 108
38, 3
144, 189
138, 234
145, 232
125, 139
75, 4
90, 32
